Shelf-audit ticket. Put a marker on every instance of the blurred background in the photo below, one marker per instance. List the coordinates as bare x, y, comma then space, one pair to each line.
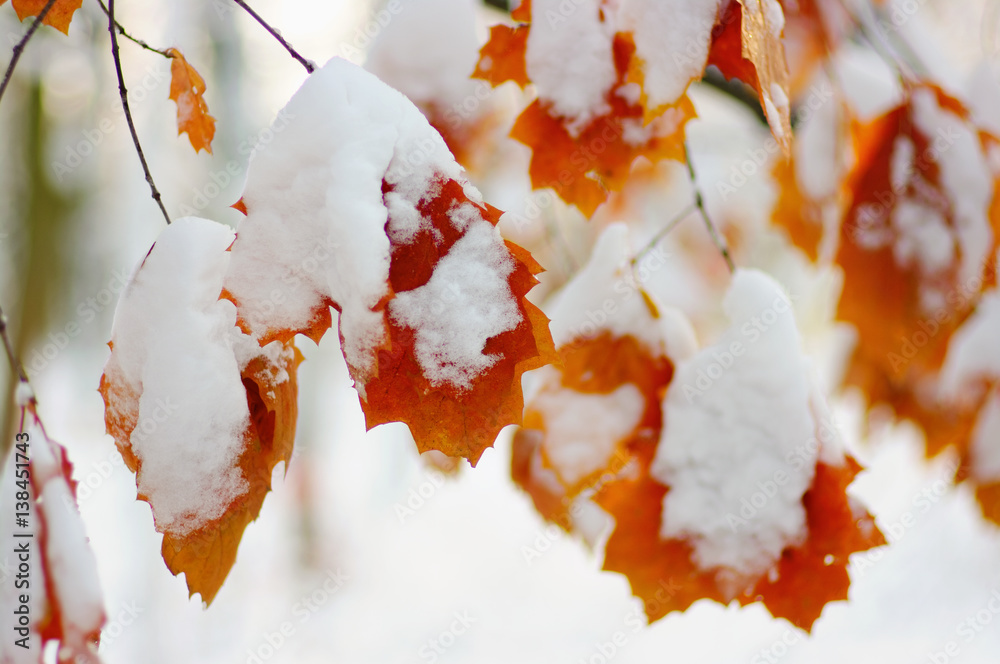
435, 567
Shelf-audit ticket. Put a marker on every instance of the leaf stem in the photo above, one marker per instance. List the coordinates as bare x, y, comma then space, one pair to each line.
121, 31
699, 202
123, 93
308, 64
19, 46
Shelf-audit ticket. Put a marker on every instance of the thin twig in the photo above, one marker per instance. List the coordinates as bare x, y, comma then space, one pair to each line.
663, 232
128, 114
879, 43
19, 47
310, 67
18, 370
15, 364
121, 31
699, 202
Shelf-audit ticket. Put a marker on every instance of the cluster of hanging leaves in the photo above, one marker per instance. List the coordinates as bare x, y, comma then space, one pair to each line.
584, 164
199, 276
613, 374
918, 215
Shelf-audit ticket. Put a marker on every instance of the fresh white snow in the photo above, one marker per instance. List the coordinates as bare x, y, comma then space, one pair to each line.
575, 85
738, 444
177, 344
466, 301
672, 38
319, 230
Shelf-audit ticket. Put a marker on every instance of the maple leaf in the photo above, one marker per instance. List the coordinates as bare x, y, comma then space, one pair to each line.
602, 397
187, 89
454, 419
969, 387
206, 555
502, 57
796, 211
804, 580
65, 603
433, 319
59, 16
593, 373
200, 412
584, 160
916, 202
814, 573
584, 166
726, 51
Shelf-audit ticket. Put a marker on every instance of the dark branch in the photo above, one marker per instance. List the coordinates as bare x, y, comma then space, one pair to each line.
128, 113
121, 31
19, 47
310, 67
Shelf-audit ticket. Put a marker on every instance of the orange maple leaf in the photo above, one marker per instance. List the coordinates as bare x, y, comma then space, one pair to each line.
796, 211
502, 58
726, 51
187, 89
422, 359
803, 581
205, 555
203, 521
584, 164
599, 365
59, 16
457, 422
814, 573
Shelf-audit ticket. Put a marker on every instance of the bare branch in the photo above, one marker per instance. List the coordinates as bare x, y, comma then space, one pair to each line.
308, 64
128, 113
19, 46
